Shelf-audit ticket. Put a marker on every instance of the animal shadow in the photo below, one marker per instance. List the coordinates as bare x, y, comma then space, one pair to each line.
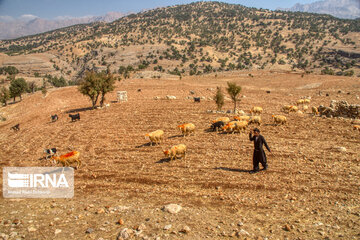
144, 145
79, 110
176, 136
232, 169
164, 160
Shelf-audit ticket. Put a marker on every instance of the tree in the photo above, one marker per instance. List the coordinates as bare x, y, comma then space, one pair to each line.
17, 87
233, 90
90, 86
4, 95
95, 85
107, 85
219, 98
32, 87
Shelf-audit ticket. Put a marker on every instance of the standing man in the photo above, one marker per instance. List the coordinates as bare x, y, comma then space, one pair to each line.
259, 153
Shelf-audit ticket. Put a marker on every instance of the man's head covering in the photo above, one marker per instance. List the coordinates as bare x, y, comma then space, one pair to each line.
257, 130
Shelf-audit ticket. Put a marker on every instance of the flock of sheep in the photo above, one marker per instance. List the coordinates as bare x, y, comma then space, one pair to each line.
238, 124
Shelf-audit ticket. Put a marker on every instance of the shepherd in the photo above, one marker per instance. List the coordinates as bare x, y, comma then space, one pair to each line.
259, 153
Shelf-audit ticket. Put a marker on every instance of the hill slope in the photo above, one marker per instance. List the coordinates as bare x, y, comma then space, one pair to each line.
193, 39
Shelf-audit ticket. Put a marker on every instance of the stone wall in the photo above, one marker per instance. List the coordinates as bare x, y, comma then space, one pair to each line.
340, 109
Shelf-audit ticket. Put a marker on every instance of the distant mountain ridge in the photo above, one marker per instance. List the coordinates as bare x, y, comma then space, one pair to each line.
19, 28
348, 9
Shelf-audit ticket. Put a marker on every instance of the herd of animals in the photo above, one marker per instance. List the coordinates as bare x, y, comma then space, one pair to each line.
224, 124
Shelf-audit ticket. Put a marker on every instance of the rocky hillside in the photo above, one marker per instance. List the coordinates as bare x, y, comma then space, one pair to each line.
193, 39
22, 27
348, 9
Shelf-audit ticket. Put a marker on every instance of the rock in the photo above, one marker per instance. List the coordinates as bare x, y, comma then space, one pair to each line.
13, 234
202, 98
57, 231
340, 149
16, 222
240, 112
89, 230
192, 92
242, 232
287, 228
167, 227
125, 233
157, 98
228, 111
172, 208
209, 111
4, 236
170, 97
240, 224
185, 229
31, 229
121, 221
141, 227
100, 210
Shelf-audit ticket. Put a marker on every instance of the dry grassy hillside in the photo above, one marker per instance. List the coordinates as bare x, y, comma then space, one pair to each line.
193, 39
311, 190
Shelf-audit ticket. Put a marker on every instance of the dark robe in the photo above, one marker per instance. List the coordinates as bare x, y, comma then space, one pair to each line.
259, 153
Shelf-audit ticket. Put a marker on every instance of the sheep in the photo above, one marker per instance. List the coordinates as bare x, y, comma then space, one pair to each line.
241, 125
225, 120
357, 127
68, 158
255, 119
305, 108
300, 102
242, 118
307, 101
315, 111
176, 150
187, 128
197, 99
279, 119
256, 110
155, 137
293, 109
230, 127
286, 108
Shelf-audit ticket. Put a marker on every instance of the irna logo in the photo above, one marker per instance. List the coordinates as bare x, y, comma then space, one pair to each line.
16, 180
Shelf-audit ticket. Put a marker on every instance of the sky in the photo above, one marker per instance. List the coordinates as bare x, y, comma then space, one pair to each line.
52, 9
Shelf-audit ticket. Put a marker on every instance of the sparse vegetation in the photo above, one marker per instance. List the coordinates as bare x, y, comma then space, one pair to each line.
233, 90
219, 98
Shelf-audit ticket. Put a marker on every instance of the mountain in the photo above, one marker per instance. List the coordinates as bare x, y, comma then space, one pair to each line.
192, 39
347, 9
23, 27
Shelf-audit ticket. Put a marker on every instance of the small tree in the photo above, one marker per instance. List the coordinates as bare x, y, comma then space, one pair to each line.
4, 95
17, 87
90, 86
219, 98
107, 84
233, 90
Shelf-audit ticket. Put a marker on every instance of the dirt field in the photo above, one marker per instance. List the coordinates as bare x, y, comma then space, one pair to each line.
310, 191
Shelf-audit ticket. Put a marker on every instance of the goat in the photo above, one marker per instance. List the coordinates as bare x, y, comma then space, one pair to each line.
50, 152
75, 117
217, 125
54, 118
196, 99
16, 127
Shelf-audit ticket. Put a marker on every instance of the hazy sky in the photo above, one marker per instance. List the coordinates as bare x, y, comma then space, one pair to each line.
76, 8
